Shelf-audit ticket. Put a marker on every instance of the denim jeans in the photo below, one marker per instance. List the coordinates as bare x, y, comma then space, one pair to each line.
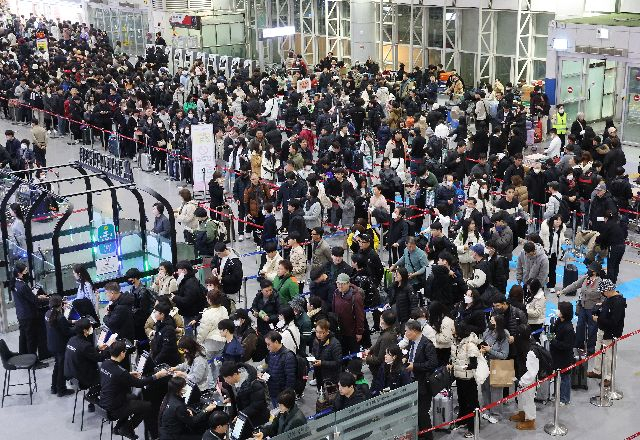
565, 387
587, 325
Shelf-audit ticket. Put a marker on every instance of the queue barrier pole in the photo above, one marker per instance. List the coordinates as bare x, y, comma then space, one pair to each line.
556, 428
476, 424
601, 400
614, 394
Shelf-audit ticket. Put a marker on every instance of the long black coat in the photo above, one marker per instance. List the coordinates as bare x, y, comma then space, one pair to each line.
561, 347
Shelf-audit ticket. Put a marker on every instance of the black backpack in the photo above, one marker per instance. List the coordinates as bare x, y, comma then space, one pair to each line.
260, 353
302, 372
563, 210
203, 245
544, 359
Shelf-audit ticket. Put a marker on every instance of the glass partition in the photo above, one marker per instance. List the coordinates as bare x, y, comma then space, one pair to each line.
389, 415
631, 127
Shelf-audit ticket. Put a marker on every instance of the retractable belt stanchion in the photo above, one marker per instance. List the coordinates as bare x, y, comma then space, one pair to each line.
556, 428
614, 394
476, 424
602, 399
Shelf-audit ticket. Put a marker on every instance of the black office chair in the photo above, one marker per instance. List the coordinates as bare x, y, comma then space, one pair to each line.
89, 395
12, 362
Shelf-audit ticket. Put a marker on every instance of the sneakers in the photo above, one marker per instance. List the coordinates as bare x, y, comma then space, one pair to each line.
468, 434
489, 418
552, 290
66, 392
240, 237
564, 403
313, 382
594, 375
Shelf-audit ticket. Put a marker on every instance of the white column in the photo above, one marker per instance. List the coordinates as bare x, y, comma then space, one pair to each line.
363, 30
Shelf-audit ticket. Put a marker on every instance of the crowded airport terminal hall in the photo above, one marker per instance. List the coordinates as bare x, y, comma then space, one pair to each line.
320, 219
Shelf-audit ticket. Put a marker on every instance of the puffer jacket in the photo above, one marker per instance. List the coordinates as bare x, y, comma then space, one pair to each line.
444, 338
536, 308
552, 244
208, 333
329, 353
536, 267
404, 299
466, 256
281, 367
464, 357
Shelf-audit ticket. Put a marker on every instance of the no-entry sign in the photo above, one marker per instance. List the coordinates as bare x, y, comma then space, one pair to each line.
636, 98
569, 89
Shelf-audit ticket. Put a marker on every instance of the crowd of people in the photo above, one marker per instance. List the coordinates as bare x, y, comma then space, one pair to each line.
430, 228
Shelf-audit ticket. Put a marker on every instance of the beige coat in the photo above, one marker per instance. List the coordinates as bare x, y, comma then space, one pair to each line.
164, 285
208, 329
270, 268
177, 318
186, 215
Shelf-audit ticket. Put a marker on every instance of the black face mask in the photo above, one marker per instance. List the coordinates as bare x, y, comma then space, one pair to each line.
26, 277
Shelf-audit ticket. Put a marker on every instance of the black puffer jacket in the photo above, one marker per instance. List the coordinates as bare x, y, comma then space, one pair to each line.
472, 318
190, 296
329, 353
404, 299
120, 317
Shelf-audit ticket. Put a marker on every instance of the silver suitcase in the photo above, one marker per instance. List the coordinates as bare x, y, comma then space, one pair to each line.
146, 164
442, 408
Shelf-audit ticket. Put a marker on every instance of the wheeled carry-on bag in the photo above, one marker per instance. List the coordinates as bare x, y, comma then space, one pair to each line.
113, 145
86, 135
442, 408
570, 274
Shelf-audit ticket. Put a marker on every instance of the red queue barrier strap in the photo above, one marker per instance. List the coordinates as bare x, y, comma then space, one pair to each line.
535, 384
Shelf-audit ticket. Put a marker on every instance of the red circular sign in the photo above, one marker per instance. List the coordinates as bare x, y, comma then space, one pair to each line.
570, 89
636, 98
638, 77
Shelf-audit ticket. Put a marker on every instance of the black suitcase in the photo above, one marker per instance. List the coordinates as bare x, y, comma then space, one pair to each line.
86, 135
570, 274
579, 376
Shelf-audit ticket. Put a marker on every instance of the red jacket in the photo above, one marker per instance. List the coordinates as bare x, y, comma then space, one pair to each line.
349, 309
309, 137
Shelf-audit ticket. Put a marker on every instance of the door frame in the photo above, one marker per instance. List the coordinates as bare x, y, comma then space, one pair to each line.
625, 103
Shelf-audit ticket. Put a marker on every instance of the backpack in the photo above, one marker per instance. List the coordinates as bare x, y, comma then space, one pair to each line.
202, 244
260, 353
302, 372
563, 210
220, 230
460, 195
544, 359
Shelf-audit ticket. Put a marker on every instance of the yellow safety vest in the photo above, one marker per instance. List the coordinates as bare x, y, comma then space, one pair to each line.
561, 123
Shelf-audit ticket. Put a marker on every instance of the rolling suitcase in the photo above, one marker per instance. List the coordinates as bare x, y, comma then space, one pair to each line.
570, 275
442, 408
579, 376
86, 135
146, 164
530, 137
113, 145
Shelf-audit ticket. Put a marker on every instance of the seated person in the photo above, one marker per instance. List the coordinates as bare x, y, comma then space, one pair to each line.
218, 426
348, 393
116, 383
289, 416
175, 420
246, 394
81, 357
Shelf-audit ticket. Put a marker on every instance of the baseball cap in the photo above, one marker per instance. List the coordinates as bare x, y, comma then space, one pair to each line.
478, 249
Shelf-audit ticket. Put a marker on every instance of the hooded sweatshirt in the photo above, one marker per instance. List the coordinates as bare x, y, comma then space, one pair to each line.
536, 267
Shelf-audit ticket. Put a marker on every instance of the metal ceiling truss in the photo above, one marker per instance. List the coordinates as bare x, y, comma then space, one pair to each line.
418, 37
523, 61
334, 25
388, 35
485, 57
308, 29
284, 17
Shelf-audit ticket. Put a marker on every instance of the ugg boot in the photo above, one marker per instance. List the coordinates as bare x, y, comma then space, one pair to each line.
527, 425
518, 417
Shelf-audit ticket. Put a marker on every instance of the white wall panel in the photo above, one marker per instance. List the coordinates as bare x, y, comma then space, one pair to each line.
630, 6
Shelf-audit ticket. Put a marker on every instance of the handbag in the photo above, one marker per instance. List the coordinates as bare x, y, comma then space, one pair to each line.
482, 370
439, 380
502, 372
327, 395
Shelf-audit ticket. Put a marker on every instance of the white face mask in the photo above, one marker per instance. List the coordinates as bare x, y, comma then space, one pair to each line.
570, 177
536, 170
468, 299
388, 360
180, 278
394, 215
483, 190
280, 323
237, 323
90, 331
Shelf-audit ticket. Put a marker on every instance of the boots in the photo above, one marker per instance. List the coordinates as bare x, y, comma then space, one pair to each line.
527, 425
518, 417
